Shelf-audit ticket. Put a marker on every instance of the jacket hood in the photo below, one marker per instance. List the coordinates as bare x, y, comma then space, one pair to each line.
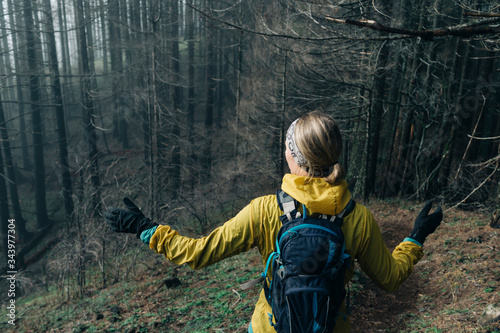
317, 194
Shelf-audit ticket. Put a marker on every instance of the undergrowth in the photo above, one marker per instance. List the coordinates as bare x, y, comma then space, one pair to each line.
458, 277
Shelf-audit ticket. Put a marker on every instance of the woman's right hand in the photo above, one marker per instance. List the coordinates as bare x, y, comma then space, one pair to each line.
130, 220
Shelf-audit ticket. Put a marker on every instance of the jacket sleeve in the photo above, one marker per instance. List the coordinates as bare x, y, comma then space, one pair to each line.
386, 270
235, 236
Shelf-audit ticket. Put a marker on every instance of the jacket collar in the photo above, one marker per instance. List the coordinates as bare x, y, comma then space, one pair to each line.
317, 194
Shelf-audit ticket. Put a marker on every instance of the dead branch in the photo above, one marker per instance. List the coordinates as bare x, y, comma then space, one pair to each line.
487, 163
470, 140
463, 30
482, 14
488, 138
474, 191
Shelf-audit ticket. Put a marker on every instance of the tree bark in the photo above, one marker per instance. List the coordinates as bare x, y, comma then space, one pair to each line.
147, 64
4, 205
116, 52
191, 134
15, 20
377, 110
177, 99
391, 124
11, 177
281, 120
209, 102
6, 81
449, 123
36, 118
375, 120
124, 75
104, 37
88, 109
59, 108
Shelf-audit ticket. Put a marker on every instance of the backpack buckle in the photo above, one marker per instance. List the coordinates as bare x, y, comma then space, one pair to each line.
278, 263
281, 272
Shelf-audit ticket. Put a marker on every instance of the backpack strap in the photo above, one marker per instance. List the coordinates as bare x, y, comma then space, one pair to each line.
288, 205
348, 209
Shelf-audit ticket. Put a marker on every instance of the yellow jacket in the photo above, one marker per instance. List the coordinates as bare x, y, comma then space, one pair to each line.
258, 224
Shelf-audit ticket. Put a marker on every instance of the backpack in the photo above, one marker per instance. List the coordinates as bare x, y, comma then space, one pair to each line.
309, 265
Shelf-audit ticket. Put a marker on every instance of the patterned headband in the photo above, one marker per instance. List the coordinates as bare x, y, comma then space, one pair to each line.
292, 146
299, 158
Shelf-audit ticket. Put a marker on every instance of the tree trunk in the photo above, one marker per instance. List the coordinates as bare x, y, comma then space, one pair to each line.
360, 155
61, 123
481, 108
238, 78
4, 205
162, 104
88, 109
487, 148
65, 53
19, 65
405, 167
281, 120
147, 63
191, 95
124, 75
104, 37
391, 123
209, 103
116, 52
21, 231
375, 119
177, 98
36, 118
220, 78
5, 64
63, 40
450, 125
154, 109
11, 177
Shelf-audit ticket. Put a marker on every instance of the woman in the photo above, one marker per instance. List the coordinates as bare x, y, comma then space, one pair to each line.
313, 148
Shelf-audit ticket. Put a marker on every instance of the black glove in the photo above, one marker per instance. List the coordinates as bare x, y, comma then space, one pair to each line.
130, 220
426, 224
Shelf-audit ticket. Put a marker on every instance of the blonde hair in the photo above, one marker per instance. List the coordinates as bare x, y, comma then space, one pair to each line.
318, 138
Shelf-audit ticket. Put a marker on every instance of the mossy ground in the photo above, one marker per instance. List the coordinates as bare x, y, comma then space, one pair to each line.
448, 291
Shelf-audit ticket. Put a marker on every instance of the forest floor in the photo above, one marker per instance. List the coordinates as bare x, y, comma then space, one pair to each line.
447, 292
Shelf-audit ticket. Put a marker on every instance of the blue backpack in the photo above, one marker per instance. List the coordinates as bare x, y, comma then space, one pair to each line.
309, 265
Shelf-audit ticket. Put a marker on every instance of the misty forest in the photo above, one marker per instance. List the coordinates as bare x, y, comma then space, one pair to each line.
183, 105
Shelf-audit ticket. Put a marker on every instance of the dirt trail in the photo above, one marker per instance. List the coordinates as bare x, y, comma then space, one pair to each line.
375, 310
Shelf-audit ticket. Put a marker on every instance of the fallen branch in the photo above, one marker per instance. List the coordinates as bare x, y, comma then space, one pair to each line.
237, 301
462, 30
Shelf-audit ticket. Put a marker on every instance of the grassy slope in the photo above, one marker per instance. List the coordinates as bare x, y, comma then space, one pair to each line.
448, 291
